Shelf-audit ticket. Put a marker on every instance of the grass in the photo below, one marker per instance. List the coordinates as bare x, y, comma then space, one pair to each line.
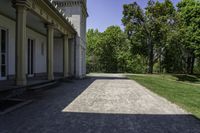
183, 90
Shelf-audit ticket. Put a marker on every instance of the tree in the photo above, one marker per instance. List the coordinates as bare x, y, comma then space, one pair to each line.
113, 48
158, 38
93, 38
108, 51
147, 30
189, 11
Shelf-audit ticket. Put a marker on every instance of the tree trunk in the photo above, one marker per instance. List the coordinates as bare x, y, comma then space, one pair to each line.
151, 56
160, 61
192, 64
188, 64
150, 70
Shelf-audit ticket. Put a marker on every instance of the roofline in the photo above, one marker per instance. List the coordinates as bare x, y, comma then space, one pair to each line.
60, 15
69, 3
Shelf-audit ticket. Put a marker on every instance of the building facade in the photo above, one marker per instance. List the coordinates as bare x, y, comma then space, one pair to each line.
42, 38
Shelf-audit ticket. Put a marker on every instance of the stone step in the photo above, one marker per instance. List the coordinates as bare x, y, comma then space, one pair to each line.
43, 86
17, 91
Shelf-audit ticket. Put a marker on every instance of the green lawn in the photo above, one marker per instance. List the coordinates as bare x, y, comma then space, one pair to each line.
184, 90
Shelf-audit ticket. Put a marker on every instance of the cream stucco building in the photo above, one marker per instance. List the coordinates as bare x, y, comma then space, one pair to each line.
42, 38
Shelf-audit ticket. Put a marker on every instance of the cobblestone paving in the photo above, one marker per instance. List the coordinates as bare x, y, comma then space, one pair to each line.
101, 103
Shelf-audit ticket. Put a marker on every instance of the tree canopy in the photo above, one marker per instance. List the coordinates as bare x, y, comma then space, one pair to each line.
160, 38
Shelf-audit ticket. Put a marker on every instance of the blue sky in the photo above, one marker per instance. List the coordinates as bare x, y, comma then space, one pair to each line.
104, 13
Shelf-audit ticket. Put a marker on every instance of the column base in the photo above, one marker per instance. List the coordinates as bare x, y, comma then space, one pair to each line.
50, 77
21, 82
66, 76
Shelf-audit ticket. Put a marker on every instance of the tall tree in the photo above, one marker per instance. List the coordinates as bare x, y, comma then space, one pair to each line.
138, 32
161, 15
93, 39
113, 46
189, 11
147, 30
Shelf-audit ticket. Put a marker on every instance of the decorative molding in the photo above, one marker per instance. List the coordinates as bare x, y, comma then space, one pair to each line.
25, 3
68, 3
49, 13
73, 3
46, 11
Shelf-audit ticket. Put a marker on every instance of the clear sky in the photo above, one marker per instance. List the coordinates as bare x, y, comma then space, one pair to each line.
104, 13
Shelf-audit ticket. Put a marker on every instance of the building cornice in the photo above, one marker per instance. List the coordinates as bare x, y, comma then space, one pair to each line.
56, 10
46, 10
24, 3
72, 3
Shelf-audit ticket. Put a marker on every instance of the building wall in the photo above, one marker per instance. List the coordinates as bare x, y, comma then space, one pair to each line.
39, 51
58, 55
39, 44
10, 26
77, 16
73, 14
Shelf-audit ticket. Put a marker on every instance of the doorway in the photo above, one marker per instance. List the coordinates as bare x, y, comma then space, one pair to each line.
3, 54
30, 57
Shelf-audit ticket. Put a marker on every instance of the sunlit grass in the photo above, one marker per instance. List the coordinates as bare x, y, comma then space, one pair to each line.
184, 90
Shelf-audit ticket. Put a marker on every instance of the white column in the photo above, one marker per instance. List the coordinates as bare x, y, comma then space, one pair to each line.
65, 56
78, 58
21, 13
84, 60
72, 57
50, 37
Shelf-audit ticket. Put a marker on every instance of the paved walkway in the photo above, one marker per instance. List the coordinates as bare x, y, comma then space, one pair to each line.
101, 103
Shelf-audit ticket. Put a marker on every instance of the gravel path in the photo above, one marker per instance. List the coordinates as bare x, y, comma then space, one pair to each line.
102, 103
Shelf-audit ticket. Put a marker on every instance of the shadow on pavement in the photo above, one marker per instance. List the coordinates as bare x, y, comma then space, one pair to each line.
131, 123
45, 116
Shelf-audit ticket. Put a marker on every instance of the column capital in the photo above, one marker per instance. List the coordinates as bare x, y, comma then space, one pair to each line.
50, 25
70, 36
66, 35
22, 3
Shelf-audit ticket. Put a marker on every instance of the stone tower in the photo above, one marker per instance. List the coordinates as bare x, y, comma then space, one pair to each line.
76, 12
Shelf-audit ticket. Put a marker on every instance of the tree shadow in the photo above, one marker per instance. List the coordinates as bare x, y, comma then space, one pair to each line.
188, 78
106, 78
131, 123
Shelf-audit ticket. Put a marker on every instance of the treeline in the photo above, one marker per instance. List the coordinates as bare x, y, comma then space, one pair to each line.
158, 39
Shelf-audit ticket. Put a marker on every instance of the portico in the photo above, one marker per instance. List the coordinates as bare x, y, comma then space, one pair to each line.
38, 24
52, 21
40, 40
